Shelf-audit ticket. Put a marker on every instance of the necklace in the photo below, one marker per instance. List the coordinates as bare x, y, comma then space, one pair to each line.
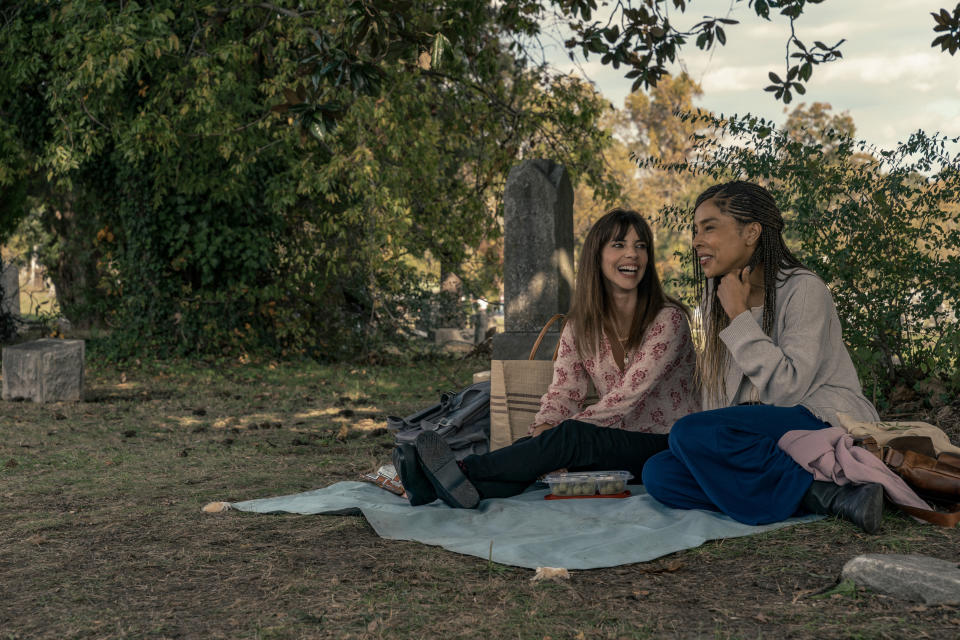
616, 330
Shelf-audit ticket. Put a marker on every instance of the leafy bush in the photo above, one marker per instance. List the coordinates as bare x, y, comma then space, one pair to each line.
881, 227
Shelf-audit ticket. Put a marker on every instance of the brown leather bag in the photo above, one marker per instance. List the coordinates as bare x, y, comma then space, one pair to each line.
936, 479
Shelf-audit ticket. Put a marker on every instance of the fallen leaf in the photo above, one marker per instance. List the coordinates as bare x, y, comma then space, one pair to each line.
550, 573
761, 618
216, 507
372, 626
424, 61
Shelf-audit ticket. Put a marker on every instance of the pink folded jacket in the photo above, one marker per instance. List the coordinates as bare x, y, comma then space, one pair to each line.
829, 454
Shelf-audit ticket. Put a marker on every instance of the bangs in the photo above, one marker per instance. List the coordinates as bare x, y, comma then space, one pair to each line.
623, 226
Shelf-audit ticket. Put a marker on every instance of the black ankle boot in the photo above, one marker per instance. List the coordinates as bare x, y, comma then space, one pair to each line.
417, 485
861, 504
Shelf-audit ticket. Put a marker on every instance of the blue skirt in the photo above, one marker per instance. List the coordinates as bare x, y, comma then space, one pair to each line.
728, 460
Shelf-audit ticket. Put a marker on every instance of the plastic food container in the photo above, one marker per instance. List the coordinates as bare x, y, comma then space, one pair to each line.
587, 483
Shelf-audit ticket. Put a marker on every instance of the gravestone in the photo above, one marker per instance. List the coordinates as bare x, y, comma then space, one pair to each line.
10, 279
909, 577
479, 326
44, 370
537, 256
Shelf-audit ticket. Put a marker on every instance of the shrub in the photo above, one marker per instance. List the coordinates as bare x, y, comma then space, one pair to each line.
881, 227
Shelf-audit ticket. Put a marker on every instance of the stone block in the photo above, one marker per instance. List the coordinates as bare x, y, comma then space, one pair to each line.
481, 376
44, 370
909, 577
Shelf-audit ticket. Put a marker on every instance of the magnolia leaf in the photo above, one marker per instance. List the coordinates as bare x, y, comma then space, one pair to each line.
439, 47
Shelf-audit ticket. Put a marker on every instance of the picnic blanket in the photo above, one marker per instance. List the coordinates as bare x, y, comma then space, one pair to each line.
526, 530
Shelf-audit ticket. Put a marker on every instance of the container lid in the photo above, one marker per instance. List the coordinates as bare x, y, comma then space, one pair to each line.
581, 476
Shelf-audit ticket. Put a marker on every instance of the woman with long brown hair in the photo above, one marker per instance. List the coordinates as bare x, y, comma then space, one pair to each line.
773, 361
626, 336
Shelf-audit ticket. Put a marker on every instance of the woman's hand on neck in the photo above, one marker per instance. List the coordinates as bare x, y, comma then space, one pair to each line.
739, 290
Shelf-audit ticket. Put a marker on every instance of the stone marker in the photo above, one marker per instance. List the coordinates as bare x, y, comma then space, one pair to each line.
537, 256
10, 279
909, 577
479, 326
44, 370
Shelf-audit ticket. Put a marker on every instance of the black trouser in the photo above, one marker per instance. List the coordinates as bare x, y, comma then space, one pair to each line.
573, 445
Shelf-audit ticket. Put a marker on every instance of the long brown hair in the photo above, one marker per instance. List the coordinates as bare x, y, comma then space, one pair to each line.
746, 202
592, 303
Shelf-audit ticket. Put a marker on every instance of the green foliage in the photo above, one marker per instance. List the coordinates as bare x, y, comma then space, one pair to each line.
637, 34
640, 36
156, 150
881, 227
948, 26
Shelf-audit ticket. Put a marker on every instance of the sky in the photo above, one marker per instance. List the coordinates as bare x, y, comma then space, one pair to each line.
890, 80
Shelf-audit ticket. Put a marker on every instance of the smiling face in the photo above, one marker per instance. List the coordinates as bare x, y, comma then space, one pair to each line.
721, 242
623, 262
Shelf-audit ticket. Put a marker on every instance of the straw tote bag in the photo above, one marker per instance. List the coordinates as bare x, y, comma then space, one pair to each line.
516, 387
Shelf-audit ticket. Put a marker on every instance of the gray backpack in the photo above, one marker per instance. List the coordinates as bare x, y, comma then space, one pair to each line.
462, 419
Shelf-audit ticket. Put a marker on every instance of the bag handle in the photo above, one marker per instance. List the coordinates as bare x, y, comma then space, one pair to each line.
894, 458
944, 519
543, 332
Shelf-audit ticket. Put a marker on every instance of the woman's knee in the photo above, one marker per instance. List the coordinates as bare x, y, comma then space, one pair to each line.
655, 473
690, 428
569, 430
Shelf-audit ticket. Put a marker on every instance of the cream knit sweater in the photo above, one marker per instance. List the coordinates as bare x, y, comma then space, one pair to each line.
803, 362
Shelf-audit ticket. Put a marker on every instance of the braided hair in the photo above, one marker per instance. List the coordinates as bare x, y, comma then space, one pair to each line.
746, 202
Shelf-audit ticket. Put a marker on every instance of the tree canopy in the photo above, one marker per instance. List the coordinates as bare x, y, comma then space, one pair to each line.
155, 144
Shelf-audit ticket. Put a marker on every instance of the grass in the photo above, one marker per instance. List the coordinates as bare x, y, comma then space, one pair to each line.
103, 536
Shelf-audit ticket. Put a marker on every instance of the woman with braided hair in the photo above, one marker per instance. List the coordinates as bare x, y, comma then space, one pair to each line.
773, 361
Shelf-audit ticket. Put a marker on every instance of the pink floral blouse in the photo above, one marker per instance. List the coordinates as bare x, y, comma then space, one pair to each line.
656, 388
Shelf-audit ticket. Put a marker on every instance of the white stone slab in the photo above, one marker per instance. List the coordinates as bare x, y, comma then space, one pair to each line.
909, 577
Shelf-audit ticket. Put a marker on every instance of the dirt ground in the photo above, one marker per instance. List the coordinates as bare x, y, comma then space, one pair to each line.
103, 536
